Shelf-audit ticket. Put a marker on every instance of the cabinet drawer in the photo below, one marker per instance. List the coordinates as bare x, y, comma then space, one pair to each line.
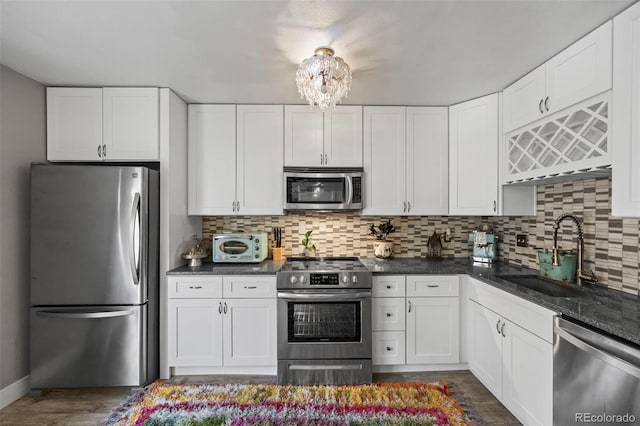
388, 314
249, 286
432, 285
195, 287
388, 347
388, 286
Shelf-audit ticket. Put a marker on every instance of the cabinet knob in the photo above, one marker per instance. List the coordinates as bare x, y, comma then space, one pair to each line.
388, 315
388, 287
389, 348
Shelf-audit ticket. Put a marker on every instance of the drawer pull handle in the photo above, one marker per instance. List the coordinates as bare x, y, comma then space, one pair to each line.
389, 348
195, 287
388, 315
388, 287
250, 287
433, 285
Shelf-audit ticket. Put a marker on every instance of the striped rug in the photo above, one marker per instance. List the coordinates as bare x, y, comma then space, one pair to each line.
163, 404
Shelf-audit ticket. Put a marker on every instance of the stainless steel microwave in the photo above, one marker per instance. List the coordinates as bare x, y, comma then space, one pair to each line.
323, 189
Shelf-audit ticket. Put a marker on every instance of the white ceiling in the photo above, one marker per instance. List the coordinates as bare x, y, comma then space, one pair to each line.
401, 52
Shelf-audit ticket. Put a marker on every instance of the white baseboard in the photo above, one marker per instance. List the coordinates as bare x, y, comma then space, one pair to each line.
14, 391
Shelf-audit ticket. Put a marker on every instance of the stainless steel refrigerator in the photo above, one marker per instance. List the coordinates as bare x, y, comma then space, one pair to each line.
94, 275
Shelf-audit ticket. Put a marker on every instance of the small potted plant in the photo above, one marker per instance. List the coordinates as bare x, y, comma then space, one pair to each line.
310, 248
382, 248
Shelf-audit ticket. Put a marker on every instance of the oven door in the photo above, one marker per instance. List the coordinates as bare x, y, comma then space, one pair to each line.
321, 191
324, 324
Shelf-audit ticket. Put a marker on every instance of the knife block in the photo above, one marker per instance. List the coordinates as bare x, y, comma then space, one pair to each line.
278, 253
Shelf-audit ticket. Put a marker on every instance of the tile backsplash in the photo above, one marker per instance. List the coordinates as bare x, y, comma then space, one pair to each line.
611, 244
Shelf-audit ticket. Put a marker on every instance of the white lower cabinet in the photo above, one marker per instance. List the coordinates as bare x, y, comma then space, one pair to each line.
208, 329
415, 320
433, 335
512, 362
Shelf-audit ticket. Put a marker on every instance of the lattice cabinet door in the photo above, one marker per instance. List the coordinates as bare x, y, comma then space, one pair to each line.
575, 140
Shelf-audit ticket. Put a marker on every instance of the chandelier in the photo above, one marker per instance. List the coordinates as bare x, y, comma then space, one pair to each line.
323, 79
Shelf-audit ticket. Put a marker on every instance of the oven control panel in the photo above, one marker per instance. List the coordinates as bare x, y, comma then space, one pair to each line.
291, 280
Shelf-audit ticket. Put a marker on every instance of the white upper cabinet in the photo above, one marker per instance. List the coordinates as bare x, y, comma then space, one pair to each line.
473, 157
235, 164
625, 184
577, 73
131, 123
314, 138
427, 160
74, 124
384, 160
95, 124
259, 160
405, 160
212, 159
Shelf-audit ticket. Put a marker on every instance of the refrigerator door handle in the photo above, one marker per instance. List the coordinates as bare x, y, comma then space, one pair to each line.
135, 236
83, 315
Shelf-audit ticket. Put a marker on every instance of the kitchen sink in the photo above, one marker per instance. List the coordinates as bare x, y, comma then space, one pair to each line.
542, 285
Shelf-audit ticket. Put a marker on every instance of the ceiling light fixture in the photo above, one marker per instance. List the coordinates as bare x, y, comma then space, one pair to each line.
323, 79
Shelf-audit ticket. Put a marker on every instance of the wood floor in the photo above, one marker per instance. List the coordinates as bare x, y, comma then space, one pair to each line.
74, 407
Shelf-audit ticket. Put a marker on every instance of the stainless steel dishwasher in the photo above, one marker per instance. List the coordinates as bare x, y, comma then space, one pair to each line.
596, 378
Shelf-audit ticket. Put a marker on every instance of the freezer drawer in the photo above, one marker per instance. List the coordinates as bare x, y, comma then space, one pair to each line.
89, 346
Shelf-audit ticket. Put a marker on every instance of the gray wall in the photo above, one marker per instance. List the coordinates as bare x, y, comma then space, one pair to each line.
22, 140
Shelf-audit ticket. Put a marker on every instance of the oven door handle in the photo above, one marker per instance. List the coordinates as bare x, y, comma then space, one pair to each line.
344, 295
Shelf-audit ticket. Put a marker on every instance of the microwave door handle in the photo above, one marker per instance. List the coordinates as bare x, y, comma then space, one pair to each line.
349, 189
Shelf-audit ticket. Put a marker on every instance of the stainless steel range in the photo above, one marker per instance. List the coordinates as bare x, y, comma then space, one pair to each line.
324, 321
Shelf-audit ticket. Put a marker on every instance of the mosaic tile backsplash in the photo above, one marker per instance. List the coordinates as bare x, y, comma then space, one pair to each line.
611, 244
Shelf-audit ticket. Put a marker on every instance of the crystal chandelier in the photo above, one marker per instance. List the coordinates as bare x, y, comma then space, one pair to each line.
323, 79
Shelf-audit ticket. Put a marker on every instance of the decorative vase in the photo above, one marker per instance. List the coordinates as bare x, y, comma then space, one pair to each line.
382, 249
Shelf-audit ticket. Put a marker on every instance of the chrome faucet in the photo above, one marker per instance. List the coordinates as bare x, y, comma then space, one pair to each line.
582, 275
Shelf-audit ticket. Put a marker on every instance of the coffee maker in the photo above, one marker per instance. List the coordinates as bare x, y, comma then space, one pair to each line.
485, 246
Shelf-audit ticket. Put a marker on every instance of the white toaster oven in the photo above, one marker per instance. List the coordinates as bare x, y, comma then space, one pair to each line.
240, 248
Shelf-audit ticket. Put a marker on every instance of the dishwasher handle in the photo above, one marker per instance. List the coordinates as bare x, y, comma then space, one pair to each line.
612, 352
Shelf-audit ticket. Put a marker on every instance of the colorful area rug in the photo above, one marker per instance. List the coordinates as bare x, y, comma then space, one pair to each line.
163, 404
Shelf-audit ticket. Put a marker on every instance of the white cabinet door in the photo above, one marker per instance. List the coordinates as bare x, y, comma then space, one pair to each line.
343, 136
473, 157
259, 159
625, 181
212, 159
524, 100
384, 160
250, 332
303, 136
433, 330
580, 71
195, 332
74, 124
485, 347
527, 381
131, 124
427, 161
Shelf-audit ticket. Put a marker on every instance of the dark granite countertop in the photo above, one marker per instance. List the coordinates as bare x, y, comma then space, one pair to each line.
609, 310
267, 267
